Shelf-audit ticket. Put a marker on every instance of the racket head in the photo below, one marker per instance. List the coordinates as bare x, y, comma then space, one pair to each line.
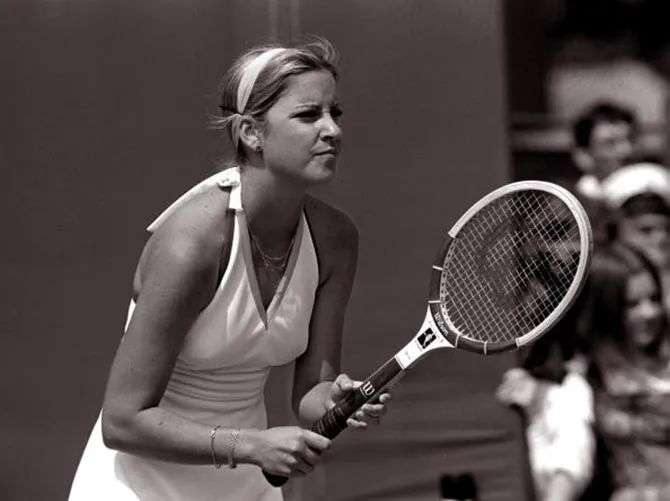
510, 267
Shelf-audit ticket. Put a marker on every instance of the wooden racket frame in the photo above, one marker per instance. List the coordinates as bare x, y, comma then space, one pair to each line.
450, 331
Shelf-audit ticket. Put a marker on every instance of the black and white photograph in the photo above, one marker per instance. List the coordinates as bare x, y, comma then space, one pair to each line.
335, 250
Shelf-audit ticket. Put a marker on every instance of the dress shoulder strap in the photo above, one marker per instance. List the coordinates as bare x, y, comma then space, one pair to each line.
229, 178
227, 243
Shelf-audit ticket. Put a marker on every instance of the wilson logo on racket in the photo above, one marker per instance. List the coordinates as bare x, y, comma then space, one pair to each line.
440, 323
367, 389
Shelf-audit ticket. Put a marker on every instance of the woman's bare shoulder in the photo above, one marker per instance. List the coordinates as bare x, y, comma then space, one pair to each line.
335, 238
329, 224
193, 235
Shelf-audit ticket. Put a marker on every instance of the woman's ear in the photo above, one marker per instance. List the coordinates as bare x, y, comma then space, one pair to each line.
249, 133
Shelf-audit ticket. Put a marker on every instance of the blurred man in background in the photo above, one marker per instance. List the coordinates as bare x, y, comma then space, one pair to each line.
604, 140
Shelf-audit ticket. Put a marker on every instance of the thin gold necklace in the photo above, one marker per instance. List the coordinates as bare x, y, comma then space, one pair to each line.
275, 263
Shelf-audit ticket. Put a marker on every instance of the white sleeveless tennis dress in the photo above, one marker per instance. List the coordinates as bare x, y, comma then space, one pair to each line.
219, 375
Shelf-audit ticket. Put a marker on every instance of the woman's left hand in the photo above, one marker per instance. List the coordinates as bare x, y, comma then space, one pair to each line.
370, 412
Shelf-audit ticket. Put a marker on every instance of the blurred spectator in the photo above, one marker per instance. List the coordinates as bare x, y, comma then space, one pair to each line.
624, 326
559, 435
639, 199
604, 140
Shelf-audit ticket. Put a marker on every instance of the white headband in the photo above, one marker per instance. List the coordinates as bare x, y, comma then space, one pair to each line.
250, 74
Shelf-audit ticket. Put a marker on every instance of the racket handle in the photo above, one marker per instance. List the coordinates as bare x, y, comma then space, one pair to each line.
333, 422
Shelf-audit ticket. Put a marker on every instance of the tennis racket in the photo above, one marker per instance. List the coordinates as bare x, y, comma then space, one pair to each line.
506, 272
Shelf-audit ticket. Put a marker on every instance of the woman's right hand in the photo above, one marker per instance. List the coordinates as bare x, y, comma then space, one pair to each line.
286, 450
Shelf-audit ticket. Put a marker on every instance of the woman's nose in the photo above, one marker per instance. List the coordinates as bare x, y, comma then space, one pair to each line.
330, 129
649, 309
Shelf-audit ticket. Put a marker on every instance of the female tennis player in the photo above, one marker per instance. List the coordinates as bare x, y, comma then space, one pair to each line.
244, 272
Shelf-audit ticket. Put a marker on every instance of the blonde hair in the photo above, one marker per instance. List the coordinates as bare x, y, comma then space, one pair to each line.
257, 79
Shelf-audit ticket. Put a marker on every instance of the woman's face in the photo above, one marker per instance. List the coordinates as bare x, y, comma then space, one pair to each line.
644, 311
650, 233
301, 136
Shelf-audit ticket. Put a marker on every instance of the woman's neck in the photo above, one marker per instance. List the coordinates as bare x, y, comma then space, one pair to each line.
273, 208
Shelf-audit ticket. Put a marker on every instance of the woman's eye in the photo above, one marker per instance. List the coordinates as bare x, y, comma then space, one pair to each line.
316, 114
310, 115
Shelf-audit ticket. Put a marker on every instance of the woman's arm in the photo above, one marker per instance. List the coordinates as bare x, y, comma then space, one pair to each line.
619, 419
177, 278
336, 240
317, 385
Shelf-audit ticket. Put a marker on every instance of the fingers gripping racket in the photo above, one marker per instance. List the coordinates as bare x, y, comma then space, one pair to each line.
507, 271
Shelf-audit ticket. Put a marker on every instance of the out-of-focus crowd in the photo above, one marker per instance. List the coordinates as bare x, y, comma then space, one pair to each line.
595, 392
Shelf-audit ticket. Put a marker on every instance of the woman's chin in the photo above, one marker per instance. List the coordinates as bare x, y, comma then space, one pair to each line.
325, 172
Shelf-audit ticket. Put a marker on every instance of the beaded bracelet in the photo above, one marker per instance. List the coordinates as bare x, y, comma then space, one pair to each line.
234, 436
231, 443
212, 436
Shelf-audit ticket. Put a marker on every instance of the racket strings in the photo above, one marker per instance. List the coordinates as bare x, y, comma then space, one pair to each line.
541, 284
510, 266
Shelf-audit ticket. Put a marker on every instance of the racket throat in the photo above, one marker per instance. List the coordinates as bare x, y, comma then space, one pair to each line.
428, 338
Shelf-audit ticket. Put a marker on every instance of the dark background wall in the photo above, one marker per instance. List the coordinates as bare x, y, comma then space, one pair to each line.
104, 113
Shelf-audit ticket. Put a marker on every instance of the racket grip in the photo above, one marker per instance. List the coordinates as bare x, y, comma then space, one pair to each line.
334, 422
